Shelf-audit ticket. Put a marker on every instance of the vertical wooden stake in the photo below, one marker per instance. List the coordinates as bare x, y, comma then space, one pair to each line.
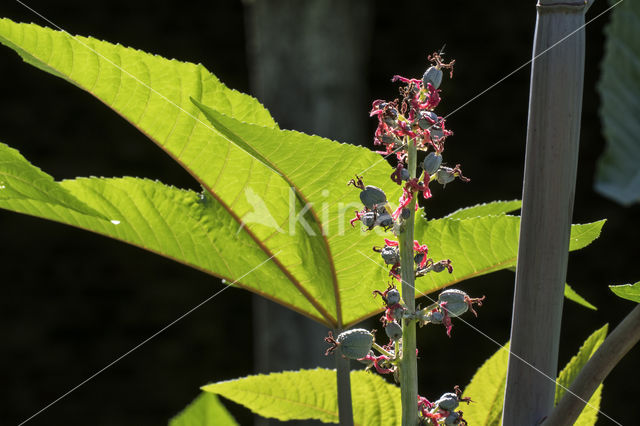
555, 104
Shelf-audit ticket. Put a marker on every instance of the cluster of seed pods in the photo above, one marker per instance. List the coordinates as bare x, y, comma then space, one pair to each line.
409, 120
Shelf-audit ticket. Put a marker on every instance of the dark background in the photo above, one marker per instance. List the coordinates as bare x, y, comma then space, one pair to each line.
72, 302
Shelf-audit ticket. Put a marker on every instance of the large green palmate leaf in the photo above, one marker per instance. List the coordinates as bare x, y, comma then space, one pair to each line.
194, 229
273, 198
618, 175
279, 396
486, 389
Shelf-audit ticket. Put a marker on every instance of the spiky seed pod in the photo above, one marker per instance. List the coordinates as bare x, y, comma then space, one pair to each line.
355, 343
372, 195
457, 302
432, 75
432, 162
393, 330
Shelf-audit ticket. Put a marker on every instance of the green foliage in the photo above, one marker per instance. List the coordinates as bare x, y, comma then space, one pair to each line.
589, 414
627, 291
571, 294
259, 180
486, 209
486, 389
618, 175
205, 410
19, 180
487, 385
312, 394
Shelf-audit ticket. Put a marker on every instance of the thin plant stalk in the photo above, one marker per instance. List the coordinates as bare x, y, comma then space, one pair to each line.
343, 381
408, 364
555, 102
611, 351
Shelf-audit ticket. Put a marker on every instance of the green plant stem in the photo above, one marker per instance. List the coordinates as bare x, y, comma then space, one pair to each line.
343, 381
381, 350
408, 364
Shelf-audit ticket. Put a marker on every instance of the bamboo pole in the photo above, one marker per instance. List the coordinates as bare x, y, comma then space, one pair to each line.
553, 131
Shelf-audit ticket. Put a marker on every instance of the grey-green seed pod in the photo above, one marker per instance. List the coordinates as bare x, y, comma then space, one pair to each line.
369, 219
445, 175
355, 344
435, 317
393, 330
427, 119
372, 195
456, 302
432, 75
390, 255
436, 133
448, 401
452, 419
385, 220
438, 267
393, 296
432, 162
